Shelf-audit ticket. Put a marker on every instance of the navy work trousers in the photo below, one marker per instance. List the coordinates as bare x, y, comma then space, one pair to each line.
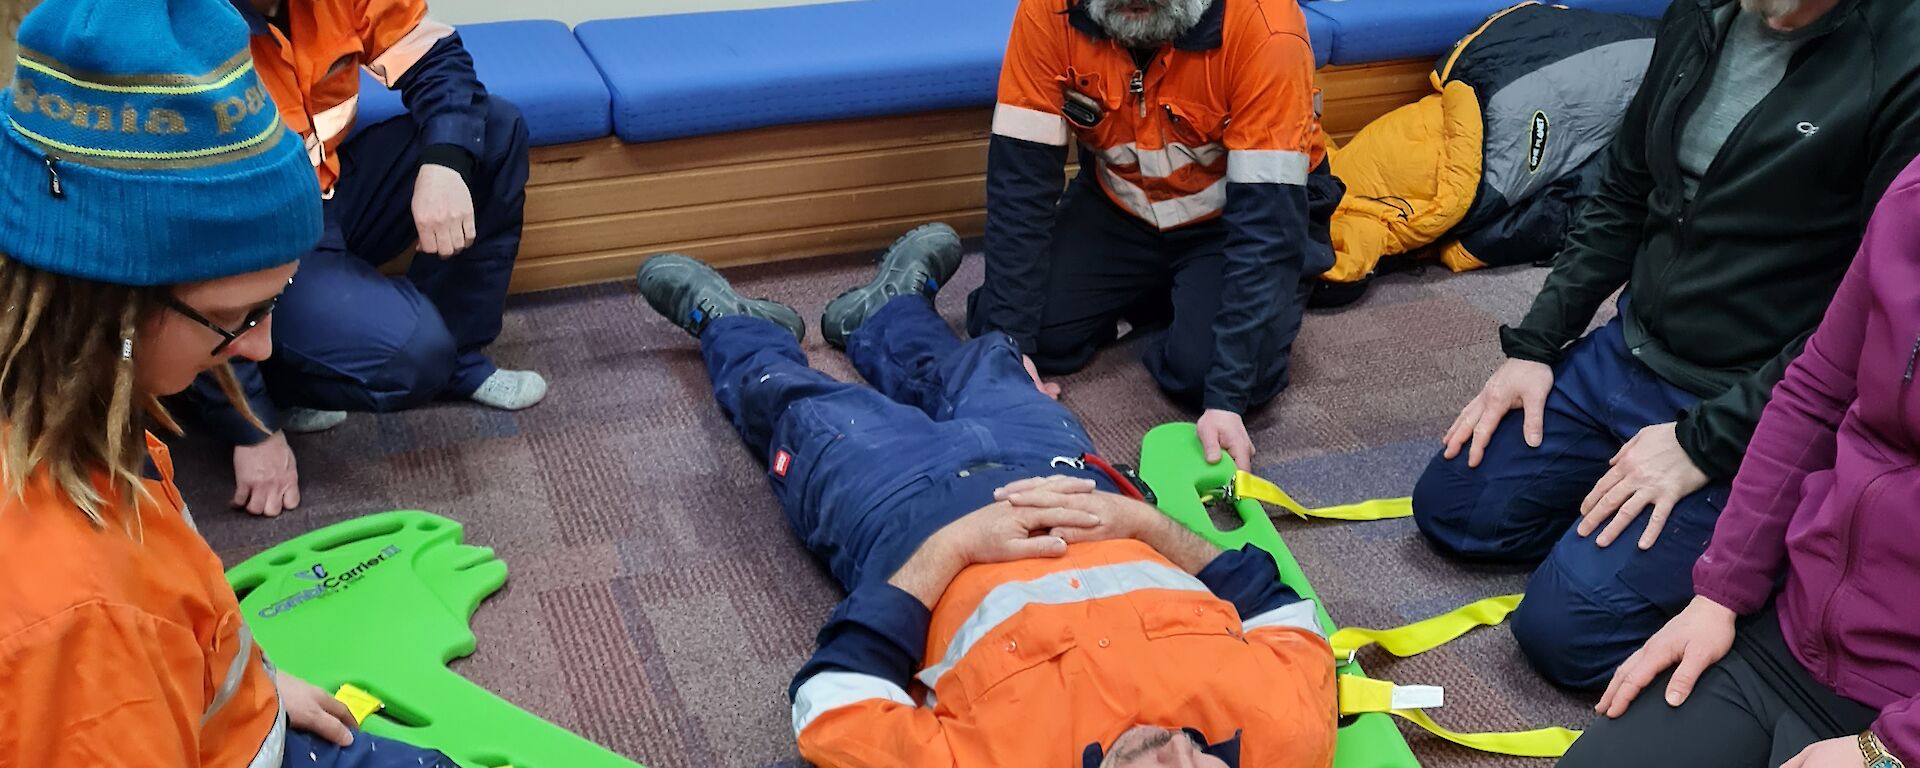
305, 750
1587, 608
348, 338
866, 474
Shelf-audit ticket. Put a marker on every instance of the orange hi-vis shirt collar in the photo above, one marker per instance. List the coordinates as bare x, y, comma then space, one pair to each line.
314, 73
1037, 661
1232, 101
124, 645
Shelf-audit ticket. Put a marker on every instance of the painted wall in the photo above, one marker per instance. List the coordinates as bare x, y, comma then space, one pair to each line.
576, 11
11, 11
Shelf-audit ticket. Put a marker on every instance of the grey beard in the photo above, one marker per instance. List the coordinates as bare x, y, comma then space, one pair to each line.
1771, 9
1172, 19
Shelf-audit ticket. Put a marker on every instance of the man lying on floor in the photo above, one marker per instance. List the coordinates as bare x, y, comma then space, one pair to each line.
1039, 614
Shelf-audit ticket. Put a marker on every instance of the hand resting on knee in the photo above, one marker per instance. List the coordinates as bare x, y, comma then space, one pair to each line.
1522, 384
1696, 639
1651, 470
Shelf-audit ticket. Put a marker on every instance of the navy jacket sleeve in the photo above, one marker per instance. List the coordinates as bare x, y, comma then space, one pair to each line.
446, 99
1023, 189
1272, 141
211, 406
1250, 579
1265, 261
878, 630
1026, 168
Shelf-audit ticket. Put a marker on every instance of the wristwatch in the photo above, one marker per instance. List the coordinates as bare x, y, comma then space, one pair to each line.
1876, 753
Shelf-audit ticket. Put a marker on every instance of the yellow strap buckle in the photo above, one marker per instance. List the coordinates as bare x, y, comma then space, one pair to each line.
1359, 695
359, 702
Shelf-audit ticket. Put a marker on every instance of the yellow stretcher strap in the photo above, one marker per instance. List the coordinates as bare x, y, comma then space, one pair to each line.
1247, 485
1359, 695
1543, 742
1422, 636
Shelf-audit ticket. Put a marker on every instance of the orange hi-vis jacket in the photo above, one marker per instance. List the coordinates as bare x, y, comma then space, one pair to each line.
1046, 662
1227, 103
124, 646
1220, 124
314, 75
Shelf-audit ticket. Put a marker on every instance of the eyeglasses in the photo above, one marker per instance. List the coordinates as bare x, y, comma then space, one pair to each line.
227, 337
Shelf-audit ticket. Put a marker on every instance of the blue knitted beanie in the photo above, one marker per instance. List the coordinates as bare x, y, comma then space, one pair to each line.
140, 148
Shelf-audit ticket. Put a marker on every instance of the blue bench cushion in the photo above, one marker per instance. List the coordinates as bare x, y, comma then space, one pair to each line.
1366, 31
1652, 9
1320, 34
537, 65
703, 73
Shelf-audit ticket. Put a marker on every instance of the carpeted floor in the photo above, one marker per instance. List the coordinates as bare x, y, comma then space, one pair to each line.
658, 606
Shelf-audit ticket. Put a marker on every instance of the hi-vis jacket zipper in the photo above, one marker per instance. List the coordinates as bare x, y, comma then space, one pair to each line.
1138, 87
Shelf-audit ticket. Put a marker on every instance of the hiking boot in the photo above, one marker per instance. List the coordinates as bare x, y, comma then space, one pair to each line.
693, 295
919, 263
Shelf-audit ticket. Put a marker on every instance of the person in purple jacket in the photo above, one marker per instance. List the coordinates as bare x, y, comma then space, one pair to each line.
1802, 644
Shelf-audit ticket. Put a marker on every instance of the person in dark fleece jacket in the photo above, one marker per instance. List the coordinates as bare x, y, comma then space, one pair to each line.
1735, 195
1824, 671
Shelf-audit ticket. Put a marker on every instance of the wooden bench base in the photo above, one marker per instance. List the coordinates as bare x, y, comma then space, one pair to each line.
596, 209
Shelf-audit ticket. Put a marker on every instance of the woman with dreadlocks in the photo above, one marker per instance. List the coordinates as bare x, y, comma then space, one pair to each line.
152, 207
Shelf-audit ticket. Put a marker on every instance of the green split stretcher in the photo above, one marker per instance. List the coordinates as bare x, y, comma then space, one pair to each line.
382, 604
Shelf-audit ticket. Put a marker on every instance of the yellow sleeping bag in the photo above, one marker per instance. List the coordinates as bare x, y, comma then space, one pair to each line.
1411, 176
1491, 168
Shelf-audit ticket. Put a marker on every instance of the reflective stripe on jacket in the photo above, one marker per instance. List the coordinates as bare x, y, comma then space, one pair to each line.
314, 75
1035, 662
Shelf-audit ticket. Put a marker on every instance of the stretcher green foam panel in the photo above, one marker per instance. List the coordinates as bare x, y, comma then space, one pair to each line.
383, 603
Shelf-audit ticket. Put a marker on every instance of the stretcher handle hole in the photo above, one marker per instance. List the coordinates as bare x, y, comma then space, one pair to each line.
1225, 515
244, 588
353, 534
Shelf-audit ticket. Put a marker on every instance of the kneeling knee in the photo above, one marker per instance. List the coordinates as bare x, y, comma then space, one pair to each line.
1562, 646
1444, 504
1181, 373
418, 371
507, 143
1056, 354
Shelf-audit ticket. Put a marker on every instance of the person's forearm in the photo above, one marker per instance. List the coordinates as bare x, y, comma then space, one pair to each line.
1265, 255
1175, 542
928, 572
1601, 246
1024, 179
